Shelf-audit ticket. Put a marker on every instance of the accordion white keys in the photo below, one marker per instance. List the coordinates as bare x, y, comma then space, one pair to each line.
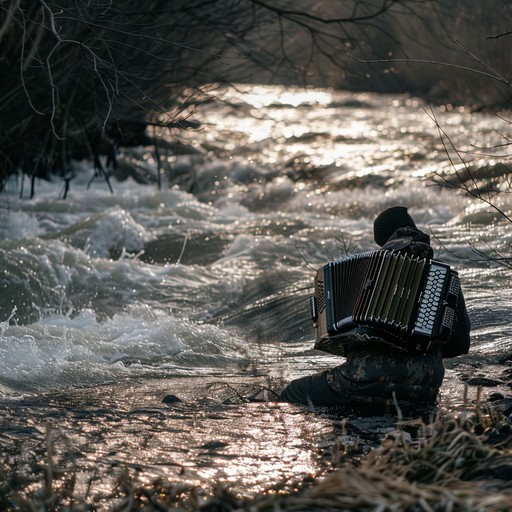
408, 302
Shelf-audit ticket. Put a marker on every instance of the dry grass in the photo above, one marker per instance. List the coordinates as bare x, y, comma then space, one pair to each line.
448, 467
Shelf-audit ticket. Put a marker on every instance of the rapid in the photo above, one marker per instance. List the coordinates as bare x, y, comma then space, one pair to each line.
176, 315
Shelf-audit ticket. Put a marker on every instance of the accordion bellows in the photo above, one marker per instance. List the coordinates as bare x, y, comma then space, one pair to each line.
403, 300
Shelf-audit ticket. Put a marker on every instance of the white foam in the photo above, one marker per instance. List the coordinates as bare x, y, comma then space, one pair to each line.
17, 225
116, 230
60, 351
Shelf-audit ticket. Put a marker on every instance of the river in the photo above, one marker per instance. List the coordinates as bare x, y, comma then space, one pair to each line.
152, 328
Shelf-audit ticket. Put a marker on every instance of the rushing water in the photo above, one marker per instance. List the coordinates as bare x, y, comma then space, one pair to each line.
110, 302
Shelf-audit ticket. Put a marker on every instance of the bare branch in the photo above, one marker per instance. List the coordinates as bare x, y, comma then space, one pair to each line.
500, 35
461, 183
495, 76
466, 50
6, 25
483, 257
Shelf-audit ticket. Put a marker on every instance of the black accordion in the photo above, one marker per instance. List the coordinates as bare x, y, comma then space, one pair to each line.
403, 300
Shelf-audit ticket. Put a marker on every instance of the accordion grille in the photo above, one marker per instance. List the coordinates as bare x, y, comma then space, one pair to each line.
413, 301
346, 276
320, 294
389, 292
377, 288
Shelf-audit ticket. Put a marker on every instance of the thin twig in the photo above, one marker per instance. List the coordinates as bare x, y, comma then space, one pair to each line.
477, 194
496, 77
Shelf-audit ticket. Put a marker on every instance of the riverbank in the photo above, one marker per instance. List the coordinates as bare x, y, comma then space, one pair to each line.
223, 444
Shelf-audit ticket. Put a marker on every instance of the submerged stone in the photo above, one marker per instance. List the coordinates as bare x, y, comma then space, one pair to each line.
483, 381
171, 399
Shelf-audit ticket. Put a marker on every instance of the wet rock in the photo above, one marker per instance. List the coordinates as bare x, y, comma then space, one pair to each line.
171, 399
507, 411
505, 430
483, 381
214, 445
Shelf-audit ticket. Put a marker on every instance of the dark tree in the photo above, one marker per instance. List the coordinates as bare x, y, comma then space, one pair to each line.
80, 78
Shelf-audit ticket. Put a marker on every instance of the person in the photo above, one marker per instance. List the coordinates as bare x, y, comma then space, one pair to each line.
377, 374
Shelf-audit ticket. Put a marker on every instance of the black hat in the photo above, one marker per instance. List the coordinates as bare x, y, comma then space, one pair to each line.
389, 221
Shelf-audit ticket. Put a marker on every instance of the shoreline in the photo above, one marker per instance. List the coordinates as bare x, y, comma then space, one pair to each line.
149, 446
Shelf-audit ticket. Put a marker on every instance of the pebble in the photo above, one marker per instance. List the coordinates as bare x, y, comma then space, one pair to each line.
171, 399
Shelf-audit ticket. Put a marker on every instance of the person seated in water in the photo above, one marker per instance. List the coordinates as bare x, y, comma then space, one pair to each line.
376, 374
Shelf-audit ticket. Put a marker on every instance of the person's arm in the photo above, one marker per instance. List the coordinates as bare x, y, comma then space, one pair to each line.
460, 340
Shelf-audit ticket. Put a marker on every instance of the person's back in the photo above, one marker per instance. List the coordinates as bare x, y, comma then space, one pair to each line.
375, 372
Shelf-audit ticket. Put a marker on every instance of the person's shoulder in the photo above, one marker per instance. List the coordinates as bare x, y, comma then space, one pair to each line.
410, 241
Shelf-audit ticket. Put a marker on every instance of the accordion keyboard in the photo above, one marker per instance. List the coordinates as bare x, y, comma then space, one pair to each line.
430, 300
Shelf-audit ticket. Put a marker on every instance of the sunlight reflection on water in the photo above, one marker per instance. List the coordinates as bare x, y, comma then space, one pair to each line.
209, 278
194, 442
